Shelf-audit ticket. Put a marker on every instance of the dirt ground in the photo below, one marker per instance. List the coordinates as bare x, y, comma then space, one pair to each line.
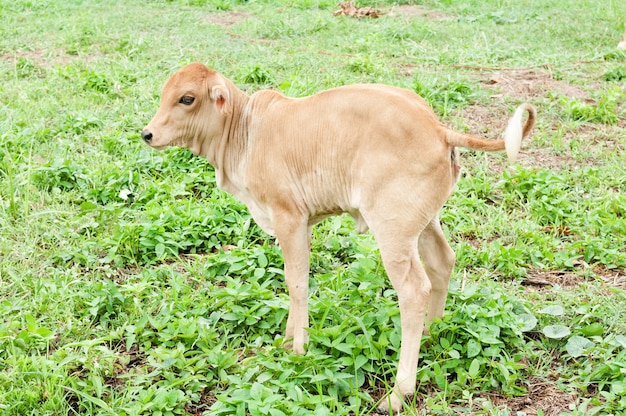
544, 398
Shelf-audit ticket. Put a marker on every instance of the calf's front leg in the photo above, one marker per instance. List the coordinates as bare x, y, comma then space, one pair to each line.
294, 240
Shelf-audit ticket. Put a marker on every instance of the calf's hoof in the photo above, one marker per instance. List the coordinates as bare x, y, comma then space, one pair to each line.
390, 405
291, 346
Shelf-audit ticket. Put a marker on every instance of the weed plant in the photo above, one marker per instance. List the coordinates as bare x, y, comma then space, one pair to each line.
131, 285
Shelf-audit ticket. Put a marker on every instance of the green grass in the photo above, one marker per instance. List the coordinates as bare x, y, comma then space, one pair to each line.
117, 296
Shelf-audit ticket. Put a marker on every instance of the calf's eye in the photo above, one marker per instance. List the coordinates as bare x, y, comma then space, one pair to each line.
186, 100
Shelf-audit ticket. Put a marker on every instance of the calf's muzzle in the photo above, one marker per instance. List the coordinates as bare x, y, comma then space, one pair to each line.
146, 136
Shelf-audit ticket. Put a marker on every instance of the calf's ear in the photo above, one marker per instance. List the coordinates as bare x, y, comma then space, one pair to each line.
219, 94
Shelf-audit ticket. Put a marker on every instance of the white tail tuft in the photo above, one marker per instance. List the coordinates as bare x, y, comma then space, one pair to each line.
513, 134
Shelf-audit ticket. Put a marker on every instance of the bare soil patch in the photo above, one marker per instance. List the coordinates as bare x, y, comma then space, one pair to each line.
543, 281
45, 58
227, 19
612, 277
544, 397
539, 280
207, 399
526, 84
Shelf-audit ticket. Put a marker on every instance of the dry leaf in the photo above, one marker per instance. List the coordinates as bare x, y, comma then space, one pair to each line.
347, 8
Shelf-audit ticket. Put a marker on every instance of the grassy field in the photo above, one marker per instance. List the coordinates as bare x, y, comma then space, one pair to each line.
131, 285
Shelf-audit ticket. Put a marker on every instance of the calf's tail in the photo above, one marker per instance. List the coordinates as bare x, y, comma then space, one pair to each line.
515, 131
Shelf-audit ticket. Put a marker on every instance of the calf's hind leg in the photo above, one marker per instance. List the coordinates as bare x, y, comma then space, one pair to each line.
438, 260
398, 248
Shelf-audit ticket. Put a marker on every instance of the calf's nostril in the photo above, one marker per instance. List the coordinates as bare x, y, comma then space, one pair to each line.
146, 136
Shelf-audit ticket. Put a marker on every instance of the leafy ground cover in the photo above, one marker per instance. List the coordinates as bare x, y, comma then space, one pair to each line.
130, 285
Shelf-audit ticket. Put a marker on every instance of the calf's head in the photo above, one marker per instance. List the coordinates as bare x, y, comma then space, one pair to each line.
195, 104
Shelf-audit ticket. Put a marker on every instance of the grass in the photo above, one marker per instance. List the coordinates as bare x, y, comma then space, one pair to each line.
130, 285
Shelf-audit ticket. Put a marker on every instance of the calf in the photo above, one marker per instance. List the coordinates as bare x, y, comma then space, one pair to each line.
376, 152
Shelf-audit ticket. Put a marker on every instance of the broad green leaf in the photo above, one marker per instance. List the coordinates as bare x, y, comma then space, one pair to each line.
505, 371
263, 377
88, 206
592, 329
474, 368
294, 392
556, 331
490, 335
44, 332
31, 323
619, 387
576, 345
621, 340
444, 343
256, 391
360, 361
235, 267
159, 250
528, 321
553, 310
473, 348
262, 260
232, 316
